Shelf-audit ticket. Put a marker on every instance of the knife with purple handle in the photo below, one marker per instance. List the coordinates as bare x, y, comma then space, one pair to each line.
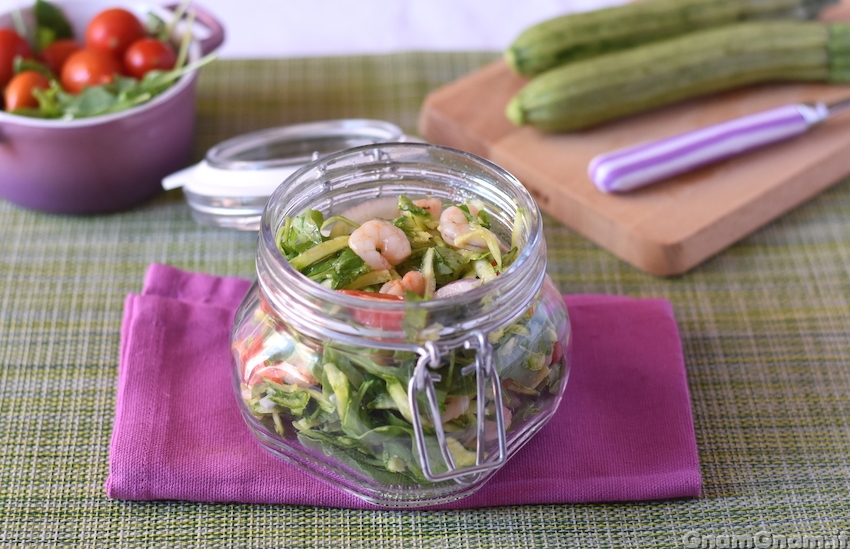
633, 167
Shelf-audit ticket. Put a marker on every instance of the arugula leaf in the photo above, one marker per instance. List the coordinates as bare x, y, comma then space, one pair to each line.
20, 65
339, 270
417, 234
420, 216
448, 264
356, 460
121, 94
157, 28
51, 24
301, 233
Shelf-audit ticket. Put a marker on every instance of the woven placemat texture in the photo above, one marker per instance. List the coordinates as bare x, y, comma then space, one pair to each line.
765, 328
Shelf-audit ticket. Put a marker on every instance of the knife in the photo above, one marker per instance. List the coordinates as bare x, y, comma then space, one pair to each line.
639, 165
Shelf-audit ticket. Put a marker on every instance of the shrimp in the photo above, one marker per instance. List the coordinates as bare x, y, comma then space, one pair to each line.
282, 372
297, 374
383, 208
453, 224
380, 244
491, 431
432, 205
455, 407
412, 281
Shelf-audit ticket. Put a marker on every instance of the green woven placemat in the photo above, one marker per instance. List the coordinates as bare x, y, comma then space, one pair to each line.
765, 328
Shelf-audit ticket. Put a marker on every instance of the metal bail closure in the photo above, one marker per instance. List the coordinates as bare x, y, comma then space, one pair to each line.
423, 380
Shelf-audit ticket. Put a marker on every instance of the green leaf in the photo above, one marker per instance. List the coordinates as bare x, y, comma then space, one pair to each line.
371, 468
156, 27
448, 264
121, 94
301, 233
420, 216
44, 37
356, 421
340, 270
48, 101
51, 24
21, 65
90, 102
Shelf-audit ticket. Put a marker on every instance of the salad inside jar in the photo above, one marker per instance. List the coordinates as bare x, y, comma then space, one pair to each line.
352, 402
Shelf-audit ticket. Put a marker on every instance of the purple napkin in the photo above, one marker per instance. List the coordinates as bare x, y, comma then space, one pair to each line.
623, 432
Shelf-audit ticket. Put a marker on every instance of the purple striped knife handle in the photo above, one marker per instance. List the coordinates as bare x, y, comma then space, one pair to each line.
626, 169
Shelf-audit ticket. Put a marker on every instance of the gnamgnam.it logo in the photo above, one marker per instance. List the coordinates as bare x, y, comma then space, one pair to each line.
766, 540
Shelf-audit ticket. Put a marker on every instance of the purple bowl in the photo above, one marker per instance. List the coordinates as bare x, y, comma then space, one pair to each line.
105, 163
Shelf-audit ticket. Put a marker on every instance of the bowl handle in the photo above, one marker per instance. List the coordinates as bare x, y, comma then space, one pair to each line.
205, 18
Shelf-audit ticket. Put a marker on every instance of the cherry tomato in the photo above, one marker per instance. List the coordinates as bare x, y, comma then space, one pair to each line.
148, 54
374, 296
18, 92
11, 46
114, 30
385, 320
55, 55
88, 67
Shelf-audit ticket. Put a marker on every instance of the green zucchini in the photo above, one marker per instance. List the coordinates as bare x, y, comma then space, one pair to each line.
581, 35
596, 90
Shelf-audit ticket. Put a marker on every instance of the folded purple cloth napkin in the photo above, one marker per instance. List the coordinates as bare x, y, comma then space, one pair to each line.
623, 432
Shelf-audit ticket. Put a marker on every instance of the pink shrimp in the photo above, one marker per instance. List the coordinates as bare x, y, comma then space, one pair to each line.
380, 244
432, 205
412, 281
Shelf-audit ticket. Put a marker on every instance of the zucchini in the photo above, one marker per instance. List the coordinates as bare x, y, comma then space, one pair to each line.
582, 35
596, 90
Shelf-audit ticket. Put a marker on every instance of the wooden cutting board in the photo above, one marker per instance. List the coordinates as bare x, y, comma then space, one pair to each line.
667, 228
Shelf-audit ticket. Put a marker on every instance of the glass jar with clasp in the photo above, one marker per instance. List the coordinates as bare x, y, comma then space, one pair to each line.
404, 402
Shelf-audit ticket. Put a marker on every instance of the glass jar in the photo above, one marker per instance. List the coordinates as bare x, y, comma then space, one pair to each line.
402, 403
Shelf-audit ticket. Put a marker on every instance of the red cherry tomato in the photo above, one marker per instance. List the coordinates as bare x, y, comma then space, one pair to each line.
148, 54
385, 320
18, 93
11, 46
88, 67
55, 55
113, 30
374, 296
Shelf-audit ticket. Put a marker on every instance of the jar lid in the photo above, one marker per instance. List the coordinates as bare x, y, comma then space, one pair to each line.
231, 186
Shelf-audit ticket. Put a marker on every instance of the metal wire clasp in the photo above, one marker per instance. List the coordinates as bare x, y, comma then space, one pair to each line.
423, 379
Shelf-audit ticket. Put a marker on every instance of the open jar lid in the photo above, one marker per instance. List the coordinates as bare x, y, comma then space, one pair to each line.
231, 186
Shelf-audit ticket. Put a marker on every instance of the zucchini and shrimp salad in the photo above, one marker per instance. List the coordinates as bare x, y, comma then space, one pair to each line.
427, 251
351, 402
